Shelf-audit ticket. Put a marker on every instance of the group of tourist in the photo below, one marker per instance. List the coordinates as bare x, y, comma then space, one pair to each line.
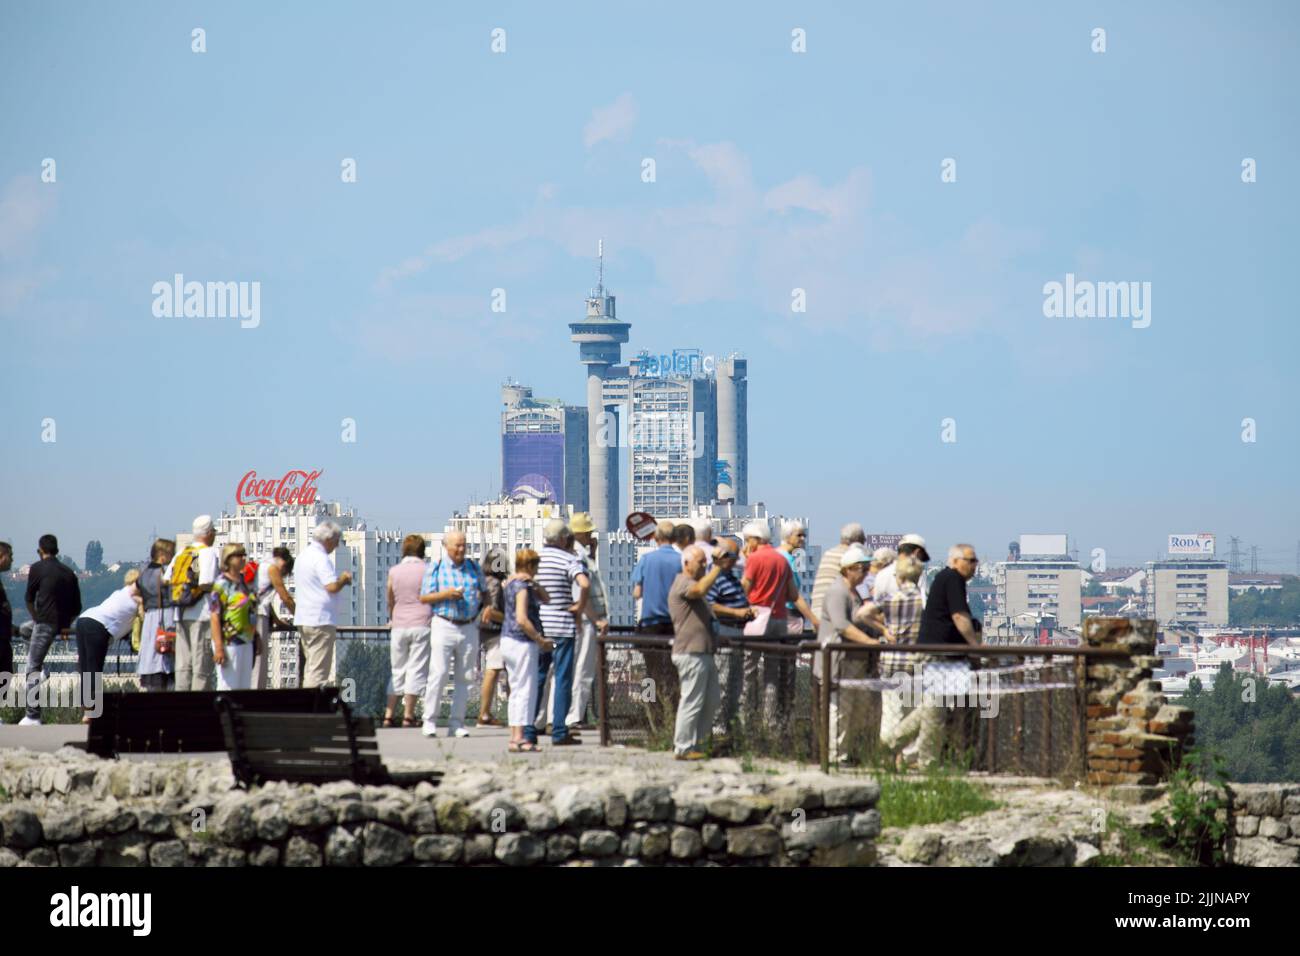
701, 591
203, 617
536, 623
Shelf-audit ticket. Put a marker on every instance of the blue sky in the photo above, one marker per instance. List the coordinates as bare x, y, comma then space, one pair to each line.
774, 171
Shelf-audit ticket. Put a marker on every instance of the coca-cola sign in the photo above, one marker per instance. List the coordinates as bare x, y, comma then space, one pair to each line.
295, 488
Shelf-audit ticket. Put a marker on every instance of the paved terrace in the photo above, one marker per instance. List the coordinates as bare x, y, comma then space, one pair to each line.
487, 744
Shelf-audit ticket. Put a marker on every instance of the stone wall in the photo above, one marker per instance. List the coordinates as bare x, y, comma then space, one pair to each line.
1134, 735
72, 810
1265, 824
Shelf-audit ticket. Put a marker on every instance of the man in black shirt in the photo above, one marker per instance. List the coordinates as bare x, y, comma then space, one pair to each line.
6, 621
54, 601
947, 618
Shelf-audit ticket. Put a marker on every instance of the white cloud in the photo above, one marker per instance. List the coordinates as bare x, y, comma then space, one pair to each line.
866, 274
24, 208
610, 122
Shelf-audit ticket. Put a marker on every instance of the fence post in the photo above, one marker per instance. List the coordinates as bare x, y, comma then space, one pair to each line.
601, 691
825, 704
1081, 714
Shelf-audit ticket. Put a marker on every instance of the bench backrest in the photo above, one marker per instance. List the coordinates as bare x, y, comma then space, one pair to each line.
187, 721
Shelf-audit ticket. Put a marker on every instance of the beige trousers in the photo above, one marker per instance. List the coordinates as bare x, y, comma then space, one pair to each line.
318, 654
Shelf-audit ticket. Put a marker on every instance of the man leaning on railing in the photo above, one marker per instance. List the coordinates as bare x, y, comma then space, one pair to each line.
946, 620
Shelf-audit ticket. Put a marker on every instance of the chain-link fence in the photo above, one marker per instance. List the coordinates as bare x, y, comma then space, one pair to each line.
768, 696
1002, 710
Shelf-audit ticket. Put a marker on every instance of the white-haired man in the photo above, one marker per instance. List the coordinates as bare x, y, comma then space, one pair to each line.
191, 575
769, 582
704, 537
828, 572
454, 588
317, 585
794, 537
563, 575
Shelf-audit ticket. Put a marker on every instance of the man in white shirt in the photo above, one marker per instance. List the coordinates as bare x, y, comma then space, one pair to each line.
886, 581
316, 603
194, 667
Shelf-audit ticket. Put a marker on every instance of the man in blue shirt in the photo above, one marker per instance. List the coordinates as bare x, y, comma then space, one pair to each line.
454, 586
651, 578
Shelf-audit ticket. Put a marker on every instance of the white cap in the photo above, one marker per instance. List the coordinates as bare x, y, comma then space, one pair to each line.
917, 540
757, 529
854, 554
202, 524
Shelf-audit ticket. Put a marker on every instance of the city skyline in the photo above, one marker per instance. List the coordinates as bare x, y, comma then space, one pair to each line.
477, 172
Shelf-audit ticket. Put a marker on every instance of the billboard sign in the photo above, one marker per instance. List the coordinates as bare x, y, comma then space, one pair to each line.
1201, 544
883, 541
532, 465
1043, 544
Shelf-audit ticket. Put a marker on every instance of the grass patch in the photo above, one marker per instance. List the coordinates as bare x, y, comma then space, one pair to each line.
939, 796
1131, 846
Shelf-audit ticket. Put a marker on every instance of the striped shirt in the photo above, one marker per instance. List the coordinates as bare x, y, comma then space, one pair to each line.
557, 573
828, 572
726, 590
444, 575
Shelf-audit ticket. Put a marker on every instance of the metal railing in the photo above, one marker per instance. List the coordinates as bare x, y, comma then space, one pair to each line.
1022, 710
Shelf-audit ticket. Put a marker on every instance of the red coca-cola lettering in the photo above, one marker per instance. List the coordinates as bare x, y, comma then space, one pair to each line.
295, 488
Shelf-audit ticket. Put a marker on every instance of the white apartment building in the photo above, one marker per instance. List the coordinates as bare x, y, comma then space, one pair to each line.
1189, 592
1033, 588
365, 553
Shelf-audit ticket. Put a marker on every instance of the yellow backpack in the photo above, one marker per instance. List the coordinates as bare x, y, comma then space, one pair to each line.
185, 578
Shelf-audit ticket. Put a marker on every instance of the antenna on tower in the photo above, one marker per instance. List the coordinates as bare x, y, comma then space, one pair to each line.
600, 275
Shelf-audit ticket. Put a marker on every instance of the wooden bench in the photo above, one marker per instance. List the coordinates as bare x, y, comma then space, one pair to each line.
186, 721
307, 748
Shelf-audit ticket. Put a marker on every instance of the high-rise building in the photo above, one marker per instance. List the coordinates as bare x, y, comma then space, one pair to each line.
1039, 581
733, 430
672, 435
1187, 591
543, 448
600, 336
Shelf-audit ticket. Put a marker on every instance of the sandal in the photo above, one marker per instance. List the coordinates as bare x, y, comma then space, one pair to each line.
389, 721
521, 747
410, 722
488, 722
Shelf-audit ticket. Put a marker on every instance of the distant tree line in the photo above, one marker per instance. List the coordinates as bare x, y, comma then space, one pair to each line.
1254, 727
1250, 608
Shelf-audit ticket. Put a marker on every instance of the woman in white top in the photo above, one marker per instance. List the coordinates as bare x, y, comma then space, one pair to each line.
96, 629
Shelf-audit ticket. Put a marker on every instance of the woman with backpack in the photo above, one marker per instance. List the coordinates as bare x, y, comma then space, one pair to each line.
156, 664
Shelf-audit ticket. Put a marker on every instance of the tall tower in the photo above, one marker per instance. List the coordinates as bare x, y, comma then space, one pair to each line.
733, 430
599, 337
